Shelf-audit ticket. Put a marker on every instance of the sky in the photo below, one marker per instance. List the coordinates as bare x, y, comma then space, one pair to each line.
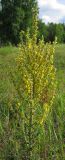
52, 10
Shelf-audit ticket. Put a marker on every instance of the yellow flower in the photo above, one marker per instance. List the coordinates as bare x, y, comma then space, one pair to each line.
18, 103
46, 107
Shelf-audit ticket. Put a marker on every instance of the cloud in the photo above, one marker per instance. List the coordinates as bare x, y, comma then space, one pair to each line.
51, 11
42, 2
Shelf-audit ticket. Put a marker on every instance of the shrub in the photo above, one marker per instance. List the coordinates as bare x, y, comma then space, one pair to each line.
36, 86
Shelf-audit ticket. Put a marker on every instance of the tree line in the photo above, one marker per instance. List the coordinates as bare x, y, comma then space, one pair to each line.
50, 31
17, 15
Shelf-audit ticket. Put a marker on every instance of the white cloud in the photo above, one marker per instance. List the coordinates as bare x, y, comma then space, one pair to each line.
50, 19
51, 10
46, 19
42, 2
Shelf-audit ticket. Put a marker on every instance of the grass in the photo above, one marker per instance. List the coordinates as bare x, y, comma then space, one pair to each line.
60, 66
7, 55
7, 50
54, 146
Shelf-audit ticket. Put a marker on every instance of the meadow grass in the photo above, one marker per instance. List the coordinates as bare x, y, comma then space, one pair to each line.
7, 58
54, 129
5, 50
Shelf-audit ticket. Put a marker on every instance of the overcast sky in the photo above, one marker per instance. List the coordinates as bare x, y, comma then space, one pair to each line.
52, 10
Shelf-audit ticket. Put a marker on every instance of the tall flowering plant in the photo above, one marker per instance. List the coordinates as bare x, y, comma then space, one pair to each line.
36, 85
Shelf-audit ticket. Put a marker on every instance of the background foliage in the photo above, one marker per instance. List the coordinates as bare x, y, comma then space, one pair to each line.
17, 15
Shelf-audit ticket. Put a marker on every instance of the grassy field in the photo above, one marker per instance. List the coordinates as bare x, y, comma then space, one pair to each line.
60, 65
55, 122
7, 58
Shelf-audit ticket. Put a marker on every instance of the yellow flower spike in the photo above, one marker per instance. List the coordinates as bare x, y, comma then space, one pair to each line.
18, 105
46, 108
29, 45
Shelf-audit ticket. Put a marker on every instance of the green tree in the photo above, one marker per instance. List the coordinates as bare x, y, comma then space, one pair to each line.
12, 15
16, 16
51, 28
30, 9
47, 31
64, 33
60, 33
42, 30
6, 19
